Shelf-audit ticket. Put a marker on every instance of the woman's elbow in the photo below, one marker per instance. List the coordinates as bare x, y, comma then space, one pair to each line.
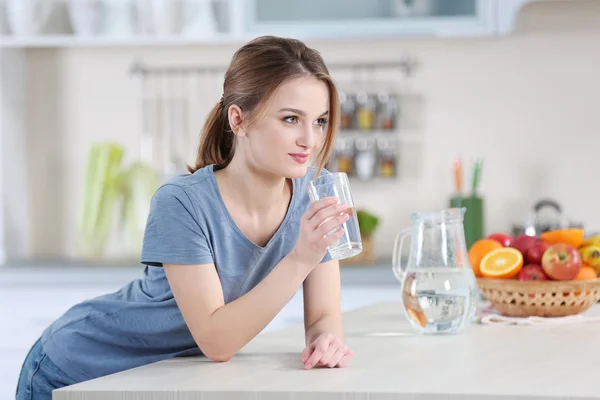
213, 345
215, 351
218, 356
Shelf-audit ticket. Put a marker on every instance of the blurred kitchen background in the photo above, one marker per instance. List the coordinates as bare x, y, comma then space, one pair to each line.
101, 100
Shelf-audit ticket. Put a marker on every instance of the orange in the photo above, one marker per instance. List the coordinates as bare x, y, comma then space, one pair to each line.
417, 316
504, 263
478, 250
570, 236
586, 273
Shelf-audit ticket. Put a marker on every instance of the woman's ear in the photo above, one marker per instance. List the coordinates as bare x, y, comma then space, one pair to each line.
236, 120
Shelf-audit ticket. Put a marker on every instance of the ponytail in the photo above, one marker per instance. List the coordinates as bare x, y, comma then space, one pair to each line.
216, 141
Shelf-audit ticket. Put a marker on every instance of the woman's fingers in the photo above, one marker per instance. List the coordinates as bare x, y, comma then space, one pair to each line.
319, 205
320, 347
326, 214
332, 224
306, 353
345, 360
337, 356
331, 350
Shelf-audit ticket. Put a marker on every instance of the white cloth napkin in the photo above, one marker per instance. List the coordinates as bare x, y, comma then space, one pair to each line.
496, 319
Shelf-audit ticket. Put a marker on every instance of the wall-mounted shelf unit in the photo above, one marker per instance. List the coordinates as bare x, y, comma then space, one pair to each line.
237, 21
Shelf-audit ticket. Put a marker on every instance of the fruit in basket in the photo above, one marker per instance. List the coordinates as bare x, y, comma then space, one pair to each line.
502, 263
502, 238
586, 273
478, 250
591, 240
532, 272
561, 262
535, 253
523, 243
591, 255
570, 236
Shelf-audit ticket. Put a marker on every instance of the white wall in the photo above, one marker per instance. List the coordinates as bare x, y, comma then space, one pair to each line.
14, 202
499, 98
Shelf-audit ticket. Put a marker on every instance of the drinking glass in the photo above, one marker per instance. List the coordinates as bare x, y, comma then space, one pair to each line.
337, 184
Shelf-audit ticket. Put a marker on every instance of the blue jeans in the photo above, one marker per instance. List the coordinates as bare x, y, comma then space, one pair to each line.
39, 376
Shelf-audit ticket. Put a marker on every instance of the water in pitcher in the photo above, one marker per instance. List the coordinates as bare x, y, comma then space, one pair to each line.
349, 244
438, 299
439, 291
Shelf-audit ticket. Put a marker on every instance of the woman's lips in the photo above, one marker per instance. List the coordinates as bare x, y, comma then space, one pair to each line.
300, 158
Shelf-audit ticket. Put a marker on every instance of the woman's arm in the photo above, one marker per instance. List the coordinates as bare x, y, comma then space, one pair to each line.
222, 330
323, 319
322, 308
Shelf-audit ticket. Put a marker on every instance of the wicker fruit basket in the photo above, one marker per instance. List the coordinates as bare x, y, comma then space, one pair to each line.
514, 298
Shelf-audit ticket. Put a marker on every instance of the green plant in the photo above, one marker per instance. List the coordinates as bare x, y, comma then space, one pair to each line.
101, 191
367, 222
110, 184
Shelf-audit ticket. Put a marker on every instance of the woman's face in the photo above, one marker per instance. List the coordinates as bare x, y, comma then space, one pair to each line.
290, 134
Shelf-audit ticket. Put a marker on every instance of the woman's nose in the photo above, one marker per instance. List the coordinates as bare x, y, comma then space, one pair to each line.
308, 138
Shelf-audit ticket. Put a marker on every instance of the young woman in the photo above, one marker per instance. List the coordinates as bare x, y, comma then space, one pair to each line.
227, 245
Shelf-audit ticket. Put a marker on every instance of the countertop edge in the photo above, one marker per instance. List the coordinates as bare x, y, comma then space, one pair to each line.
44, 274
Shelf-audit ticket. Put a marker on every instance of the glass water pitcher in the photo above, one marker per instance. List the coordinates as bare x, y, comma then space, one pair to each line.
439, 291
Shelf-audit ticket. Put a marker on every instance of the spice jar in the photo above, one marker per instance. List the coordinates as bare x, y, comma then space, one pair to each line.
387, 110
344, 153
365, 110
387, 157
365, 158
347, 108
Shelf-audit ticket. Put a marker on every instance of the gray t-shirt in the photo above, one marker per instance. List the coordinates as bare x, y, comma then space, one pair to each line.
141, 323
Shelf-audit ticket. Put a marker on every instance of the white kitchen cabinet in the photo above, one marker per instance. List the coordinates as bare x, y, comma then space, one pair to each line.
241, 20
358, 18
381, 18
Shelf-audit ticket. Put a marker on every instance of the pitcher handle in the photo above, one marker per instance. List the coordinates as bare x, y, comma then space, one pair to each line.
396, 264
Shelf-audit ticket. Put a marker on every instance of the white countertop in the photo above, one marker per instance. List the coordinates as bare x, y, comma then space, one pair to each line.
390, 362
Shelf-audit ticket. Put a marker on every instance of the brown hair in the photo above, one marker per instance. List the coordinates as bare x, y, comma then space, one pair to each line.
256, 71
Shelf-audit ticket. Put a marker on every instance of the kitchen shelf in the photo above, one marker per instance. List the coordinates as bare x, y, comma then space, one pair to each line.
491, 18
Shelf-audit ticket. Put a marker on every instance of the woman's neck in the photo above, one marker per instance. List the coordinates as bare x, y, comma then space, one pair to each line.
252, 190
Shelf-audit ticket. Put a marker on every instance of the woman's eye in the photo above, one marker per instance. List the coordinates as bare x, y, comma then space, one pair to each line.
321, 122
291, 119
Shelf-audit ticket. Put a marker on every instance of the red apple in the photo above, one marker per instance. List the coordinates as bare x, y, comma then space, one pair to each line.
523, 243
503, 238
532, 272
561, 262
535, 253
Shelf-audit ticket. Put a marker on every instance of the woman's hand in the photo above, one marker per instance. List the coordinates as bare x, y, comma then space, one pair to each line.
326, 350
322, 217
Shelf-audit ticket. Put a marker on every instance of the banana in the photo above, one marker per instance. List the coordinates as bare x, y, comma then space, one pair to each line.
591, 255
592, 240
